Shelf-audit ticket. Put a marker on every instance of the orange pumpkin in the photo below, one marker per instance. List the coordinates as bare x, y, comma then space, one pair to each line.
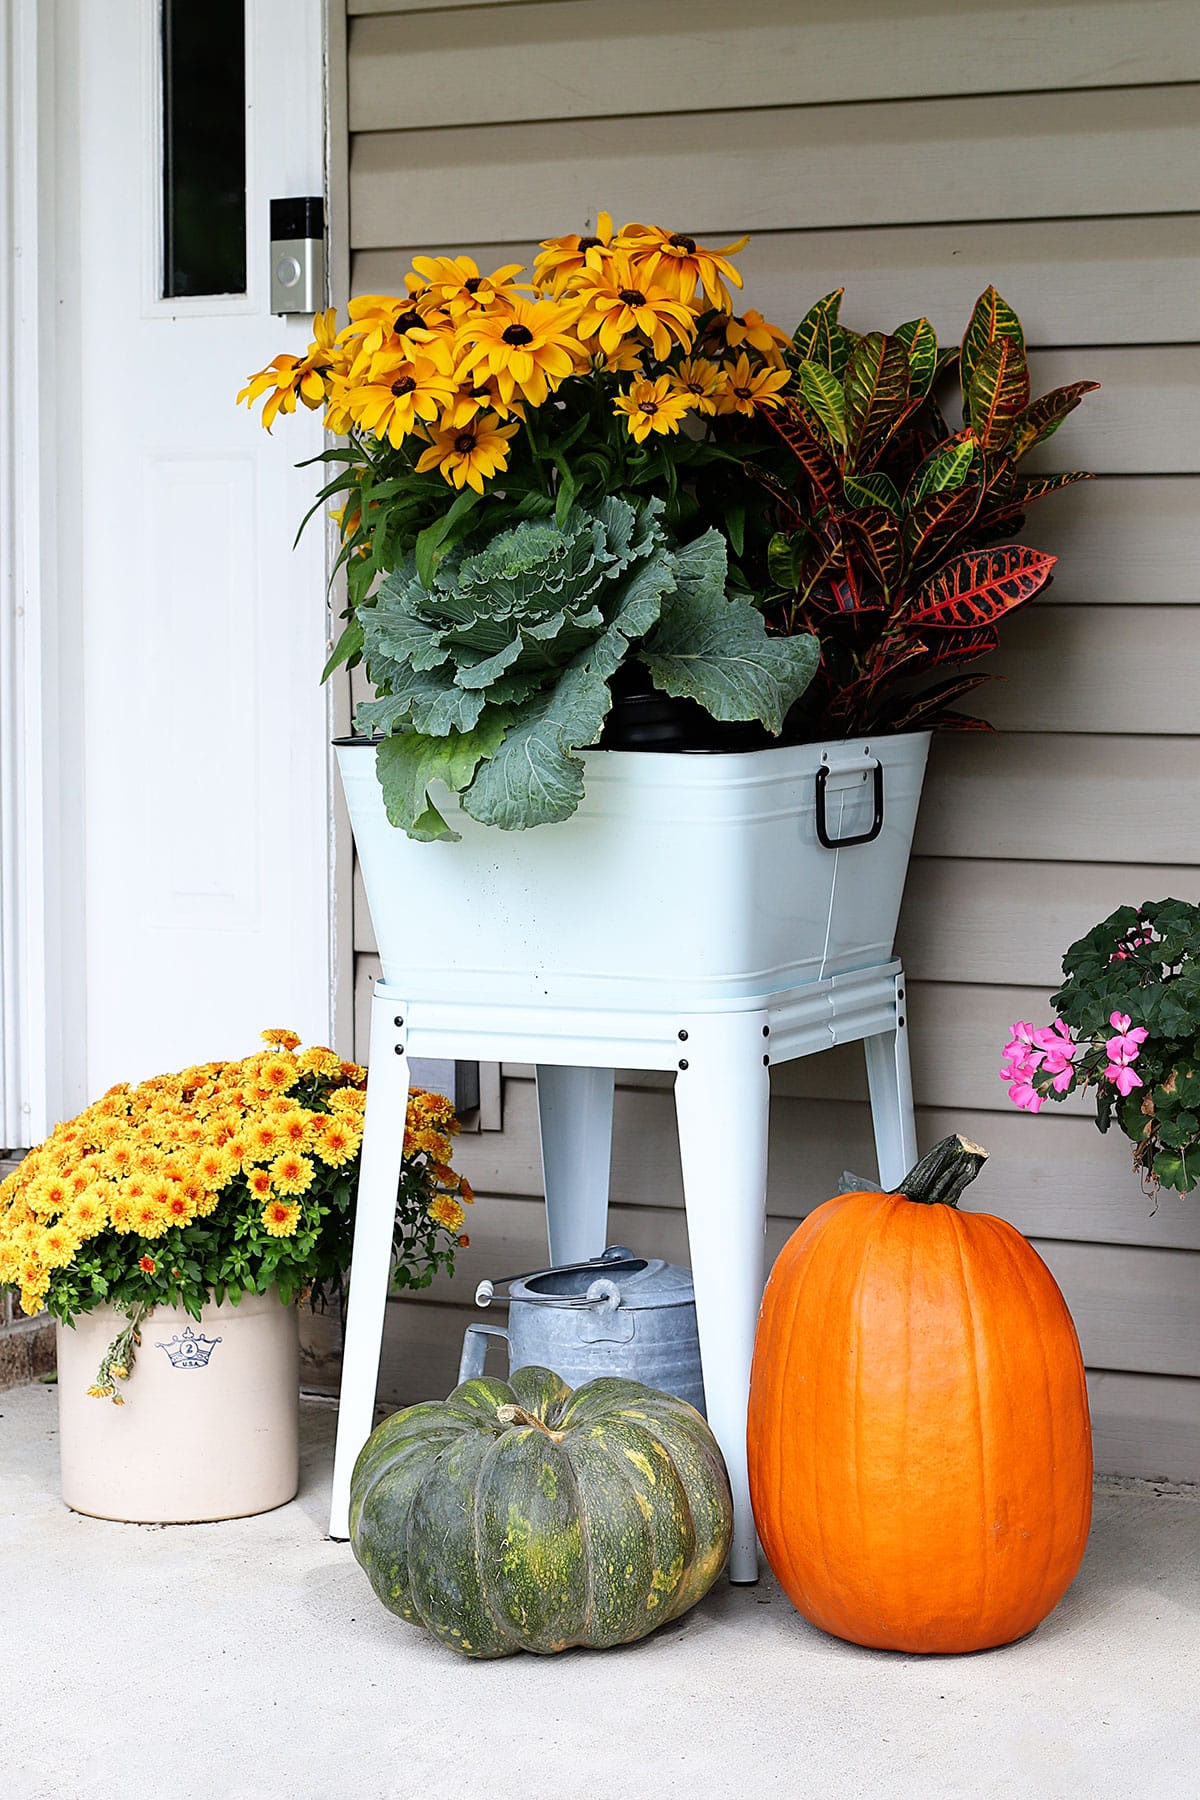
920, 1450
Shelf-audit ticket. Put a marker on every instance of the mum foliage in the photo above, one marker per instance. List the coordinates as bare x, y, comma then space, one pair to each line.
493, 674
224, 1179
1128, 1027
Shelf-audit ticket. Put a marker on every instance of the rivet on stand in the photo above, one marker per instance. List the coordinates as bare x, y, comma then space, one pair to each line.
766, 1031
766, 1062
683, 1037
398, 1022
399, 1049
683, 1062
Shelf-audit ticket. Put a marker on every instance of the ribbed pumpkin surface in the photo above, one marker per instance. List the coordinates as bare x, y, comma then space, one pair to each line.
593, 1518
920, 1453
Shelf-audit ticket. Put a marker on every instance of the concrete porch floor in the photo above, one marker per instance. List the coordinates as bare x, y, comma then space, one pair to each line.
250, 1660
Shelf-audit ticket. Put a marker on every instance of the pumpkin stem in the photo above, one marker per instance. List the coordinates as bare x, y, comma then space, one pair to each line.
942, 1175
516, 1415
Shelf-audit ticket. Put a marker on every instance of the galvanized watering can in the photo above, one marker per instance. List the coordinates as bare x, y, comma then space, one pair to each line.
619, 1314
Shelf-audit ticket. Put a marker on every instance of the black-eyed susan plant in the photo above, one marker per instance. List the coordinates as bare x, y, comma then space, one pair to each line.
224, 1179
544, 478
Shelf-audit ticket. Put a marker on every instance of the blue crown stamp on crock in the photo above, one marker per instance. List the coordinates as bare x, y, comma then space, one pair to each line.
187, 1351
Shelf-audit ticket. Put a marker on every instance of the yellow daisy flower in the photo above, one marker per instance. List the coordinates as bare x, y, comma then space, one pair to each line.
621, 300
471, 454
319, 1061
281, 1038
700, 379
530, 345
402, 392
455, 284
744, 388
564, 258
652, 406
748, 330
685, 263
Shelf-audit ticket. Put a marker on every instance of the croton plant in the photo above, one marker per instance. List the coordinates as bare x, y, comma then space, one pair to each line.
896, 522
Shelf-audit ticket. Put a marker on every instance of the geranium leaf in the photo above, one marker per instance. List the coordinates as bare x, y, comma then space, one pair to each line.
980, 586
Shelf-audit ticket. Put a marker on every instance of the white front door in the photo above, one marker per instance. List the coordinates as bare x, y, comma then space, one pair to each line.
201, 735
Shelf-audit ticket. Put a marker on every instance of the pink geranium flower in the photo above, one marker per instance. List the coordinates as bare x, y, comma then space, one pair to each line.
1123, 1078
1123, 1048
1022, 1093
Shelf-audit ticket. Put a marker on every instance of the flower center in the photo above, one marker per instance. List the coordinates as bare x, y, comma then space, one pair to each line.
589, 243
683, 243
744, 393
405, 385
632, 296
409, 321
649, 408
518, 335
474, 284
464, 443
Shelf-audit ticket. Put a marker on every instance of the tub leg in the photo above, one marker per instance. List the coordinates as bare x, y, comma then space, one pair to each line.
370, 1268
575, 1112
889, 1079
722, 1100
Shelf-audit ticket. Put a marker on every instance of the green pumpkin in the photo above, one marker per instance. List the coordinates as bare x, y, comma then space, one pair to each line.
523, 1516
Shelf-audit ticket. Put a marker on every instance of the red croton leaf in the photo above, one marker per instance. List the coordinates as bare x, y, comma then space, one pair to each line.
943, 647
980, 586
789, 421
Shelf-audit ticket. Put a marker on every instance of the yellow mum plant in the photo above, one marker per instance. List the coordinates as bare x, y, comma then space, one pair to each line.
224, 1179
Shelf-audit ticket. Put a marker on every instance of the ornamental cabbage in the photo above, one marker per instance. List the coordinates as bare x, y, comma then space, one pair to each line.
494, 675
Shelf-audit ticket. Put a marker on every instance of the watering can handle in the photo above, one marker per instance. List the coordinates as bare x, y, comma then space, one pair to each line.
485, 1293
474, 1350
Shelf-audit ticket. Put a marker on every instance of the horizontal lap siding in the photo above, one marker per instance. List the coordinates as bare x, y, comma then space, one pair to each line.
1051, 149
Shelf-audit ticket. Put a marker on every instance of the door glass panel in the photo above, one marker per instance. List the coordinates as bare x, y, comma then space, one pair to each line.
204, 147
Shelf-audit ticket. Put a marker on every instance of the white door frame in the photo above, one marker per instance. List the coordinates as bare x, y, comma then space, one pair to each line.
42, 923
41, 849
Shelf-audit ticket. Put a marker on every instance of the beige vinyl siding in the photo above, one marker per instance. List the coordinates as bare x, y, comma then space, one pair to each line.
912, 155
